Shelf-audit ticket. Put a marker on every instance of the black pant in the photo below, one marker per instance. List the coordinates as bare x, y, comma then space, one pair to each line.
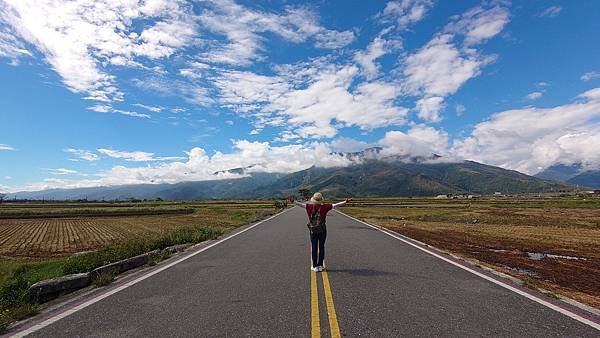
318, 248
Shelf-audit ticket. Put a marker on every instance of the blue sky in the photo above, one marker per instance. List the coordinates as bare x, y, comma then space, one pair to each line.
118, 92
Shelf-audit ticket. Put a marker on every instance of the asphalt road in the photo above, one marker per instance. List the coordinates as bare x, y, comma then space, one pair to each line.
258, 283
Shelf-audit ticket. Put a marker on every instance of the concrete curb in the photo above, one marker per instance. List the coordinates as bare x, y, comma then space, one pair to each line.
49, 289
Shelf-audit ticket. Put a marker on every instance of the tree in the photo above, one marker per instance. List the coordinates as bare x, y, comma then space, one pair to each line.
2, 197
305, 193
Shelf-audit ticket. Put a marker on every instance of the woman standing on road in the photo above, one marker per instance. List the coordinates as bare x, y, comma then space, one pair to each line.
317, 213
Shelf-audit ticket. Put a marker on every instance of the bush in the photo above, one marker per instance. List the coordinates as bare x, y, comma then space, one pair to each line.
104, 279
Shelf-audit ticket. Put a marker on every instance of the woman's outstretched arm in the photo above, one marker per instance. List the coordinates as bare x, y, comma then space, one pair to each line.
339, 204
303, 205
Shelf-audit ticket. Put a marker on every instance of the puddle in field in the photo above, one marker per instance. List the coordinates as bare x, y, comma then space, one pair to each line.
527, 272
538, 256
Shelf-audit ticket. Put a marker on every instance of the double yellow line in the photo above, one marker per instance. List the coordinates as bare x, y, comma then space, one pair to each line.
334, 327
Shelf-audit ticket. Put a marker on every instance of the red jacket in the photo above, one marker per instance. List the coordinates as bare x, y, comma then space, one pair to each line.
323, 209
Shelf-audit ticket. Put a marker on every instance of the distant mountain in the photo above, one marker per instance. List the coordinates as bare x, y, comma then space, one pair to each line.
572, 174
371, 177
214, 189
387, 178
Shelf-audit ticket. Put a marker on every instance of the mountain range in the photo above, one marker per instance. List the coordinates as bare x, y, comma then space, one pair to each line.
371, 176
575, 174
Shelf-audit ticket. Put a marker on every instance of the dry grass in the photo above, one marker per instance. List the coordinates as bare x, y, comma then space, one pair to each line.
501, 235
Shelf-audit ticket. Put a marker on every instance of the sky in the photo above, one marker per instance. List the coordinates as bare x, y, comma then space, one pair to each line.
106, 92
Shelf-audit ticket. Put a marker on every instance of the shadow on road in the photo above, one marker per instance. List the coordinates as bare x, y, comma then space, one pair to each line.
362, 272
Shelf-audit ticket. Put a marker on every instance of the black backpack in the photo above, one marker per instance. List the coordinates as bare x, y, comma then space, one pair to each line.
316, 223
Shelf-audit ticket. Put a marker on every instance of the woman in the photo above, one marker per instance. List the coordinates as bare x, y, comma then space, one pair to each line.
317, 213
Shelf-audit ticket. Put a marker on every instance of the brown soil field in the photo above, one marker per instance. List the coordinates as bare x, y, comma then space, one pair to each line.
552, 248
55, 237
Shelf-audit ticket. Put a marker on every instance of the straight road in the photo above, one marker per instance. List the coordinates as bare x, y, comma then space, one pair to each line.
258, 283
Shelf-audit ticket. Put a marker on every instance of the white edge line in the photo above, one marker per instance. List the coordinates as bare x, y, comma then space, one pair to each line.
100, 297
493, 280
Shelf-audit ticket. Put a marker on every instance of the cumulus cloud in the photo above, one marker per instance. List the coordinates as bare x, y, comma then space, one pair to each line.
439, 69
442, 66
6, 147
551, 12
406, 12
532, 138
198, 165
315, 101
420, 140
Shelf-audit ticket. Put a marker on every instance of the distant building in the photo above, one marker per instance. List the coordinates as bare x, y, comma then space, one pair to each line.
497, 193
444, 197
473, 196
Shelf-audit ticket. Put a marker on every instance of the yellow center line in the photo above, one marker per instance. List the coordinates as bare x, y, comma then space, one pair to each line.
333, 322
314, 306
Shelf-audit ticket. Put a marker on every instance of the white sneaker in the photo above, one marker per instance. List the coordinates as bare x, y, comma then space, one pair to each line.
319, 269
315, 268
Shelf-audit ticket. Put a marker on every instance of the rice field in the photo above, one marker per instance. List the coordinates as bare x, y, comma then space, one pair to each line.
45, 235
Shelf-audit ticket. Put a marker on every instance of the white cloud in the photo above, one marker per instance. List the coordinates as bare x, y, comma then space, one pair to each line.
430, 107
534, 95
154, 109
6, 147
590, 76
81, 39
134, 156
479, 24
420, 140
243, 27
101, 108
460, 109
406, 12
131, 113
551, 12
10, 46
531, 138
439, 69
333, 39
366, 59
82, 154
200, 166
61, 171
344, 144
316, 101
